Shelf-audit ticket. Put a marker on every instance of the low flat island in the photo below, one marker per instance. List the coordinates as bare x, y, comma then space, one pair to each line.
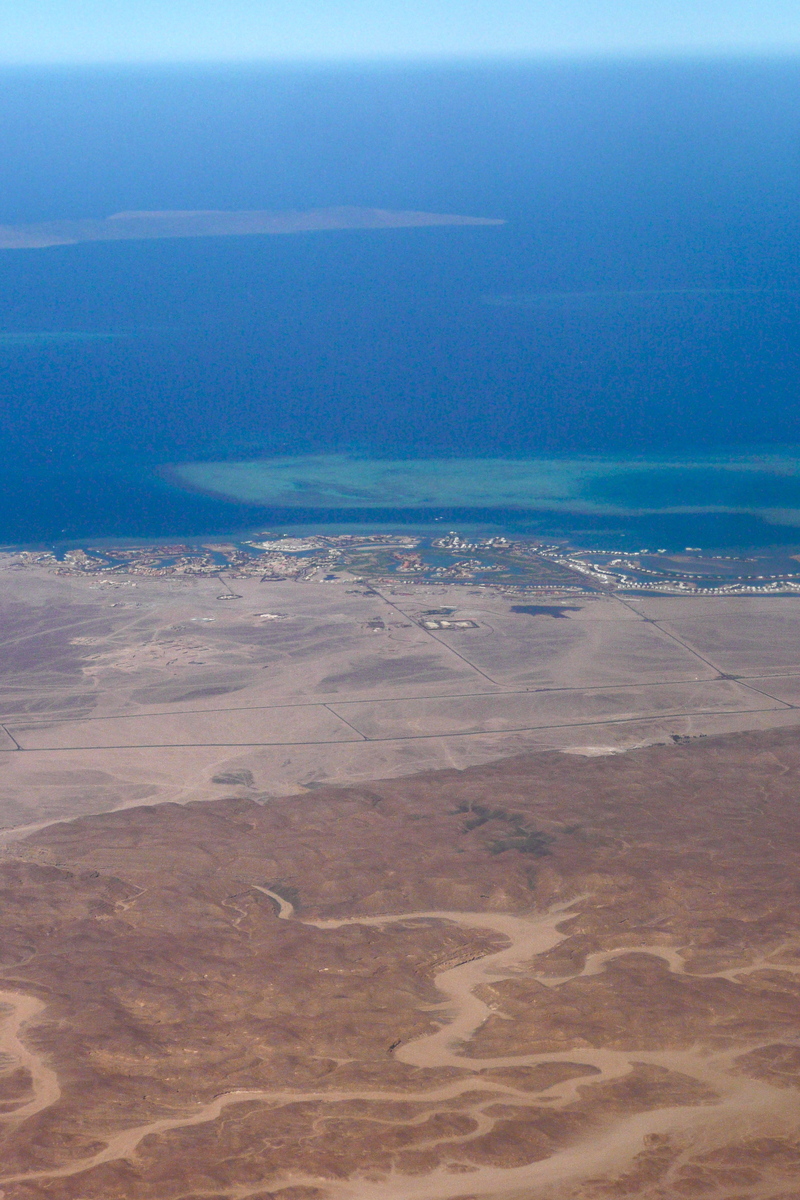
128, 226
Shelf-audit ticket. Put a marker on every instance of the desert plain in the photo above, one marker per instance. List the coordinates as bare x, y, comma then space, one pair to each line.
122, 690
305, 899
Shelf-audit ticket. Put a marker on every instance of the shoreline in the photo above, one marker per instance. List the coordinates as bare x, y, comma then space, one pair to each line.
390, 557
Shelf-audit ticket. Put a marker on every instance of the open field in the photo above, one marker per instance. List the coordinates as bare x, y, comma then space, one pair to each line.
123, 690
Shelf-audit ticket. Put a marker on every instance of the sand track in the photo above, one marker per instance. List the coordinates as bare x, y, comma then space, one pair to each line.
45, 1087
742, 1102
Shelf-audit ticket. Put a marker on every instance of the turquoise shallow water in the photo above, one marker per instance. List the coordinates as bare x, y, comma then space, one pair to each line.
703, 488
641, 301
724, 500
765, 485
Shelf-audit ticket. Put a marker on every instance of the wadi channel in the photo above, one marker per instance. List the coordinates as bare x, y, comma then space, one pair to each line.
549, 976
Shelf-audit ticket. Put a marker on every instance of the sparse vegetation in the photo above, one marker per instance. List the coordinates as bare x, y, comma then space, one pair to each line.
287, 891
527, 841
234, 778
530, 841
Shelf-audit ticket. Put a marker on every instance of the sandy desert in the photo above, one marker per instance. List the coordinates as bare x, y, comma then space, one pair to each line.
305, 900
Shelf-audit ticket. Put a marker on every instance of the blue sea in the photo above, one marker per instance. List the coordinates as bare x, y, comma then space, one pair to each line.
641, 301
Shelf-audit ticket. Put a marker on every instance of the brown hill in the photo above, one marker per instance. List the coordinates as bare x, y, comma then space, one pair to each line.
546, 977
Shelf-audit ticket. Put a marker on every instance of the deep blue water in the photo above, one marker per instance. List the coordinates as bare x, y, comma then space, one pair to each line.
643, 296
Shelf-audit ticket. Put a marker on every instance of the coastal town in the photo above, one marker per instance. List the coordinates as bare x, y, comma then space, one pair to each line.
515, 565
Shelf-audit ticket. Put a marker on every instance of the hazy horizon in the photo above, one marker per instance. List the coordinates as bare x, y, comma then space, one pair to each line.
351, 31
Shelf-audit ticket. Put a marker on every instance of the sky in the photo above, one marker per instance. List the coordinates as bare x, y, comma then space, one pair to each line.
109, 31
